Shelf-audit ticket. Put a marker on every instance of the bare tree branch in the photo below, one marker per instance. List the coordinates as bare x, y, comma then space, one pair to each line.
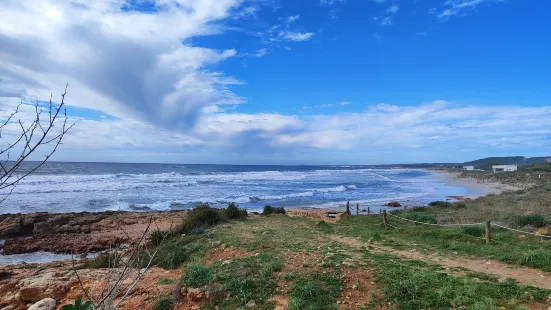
33, 136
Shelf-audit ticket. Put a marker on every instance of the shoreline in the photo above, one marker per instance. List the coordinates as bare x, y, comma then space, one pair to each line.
477, 189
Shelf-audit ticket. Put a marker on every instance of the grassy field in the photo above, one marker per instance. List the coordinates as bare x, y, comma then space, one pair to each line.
280, 262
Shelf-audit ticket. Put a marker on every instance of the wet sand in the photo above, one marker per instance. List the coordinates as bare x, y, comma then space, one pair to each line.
477, 189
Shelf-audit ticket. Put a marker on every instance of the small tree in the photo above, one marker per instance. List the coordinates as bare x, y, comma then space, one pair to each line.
20, 137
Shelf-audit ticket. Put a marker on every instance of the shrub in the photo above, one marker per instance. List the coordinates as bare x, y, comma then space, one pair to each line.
443, 204
233, 212
197, 276
460, 205
273, 210
536, 220
164, 303
158, 236
173, 253
104, 260
421, 218
200, 217
418, 209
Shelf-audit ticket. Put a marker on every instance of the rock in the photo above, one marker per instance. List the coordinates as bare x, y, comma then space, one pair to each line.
44, 304
194, 294
10, 307
214, 292
183, 291
393, 204
251, 304
32, 294
11, 226
226, 262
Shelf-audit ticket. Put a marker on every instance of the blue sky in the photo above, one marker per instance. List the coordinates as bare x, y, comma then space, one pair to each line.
286, 82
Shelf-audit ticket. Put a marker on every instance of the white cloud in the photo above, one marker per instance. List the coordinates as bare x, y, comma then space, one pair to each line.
387, 21
331, 2
296, 36
261, 52
380, 128
344, 103
292, 18
454, 7
122, 62
393, 9
377, 37
421, 33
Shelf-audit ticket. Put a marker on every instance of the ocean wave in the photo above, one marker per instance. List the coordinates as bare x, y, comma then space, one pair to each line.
286, 196
340, 188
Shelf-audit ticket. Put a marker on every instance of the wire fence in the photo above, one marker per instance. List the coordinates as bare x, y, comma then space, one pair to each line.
489, 223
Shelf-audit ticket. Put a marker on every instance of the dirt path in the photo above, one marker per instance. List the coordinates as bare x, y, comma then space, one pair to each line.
523, 275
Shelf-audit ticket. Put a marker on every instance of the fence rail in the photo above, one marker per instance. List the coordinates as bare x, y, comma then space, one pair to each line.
487, 224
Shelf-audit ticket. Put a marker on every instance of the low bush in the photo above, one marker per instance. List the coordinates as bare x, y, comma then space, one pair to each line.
460, 205
443, 204
174, 252
418, 209
233, 212
164, 303
158, 236
104, 260
421, 218
273, 210
536, 220
201, 217
197, 276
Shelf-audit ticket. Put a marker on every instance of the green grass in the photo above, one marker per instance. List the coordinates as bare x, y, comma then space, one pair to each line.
104, 260
422, 289
315, 292
324, 227
420, 218
507, 247
196, 276
175, 251
164, 303
248, 278
536, 220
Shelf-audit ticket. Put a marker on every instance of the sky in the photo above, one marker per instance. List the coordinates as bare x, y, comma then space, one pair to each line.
283, 81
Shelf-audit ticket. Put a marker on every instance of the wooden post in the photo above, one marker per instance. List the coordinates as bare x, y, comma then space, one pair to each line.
488, 232
357, 209
348, 208
368, 211
384, 218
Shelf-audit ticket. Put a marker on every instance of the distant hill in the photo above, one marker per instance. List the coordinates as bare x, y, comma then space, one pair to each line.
485, 163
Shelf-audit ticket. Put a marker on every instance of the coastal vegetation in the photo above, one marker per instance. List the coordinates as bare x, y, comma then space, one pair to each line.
425, 257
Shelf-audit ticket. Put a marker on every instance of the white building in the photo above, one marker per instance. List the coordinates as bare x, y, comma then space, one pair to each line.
468, 168
503, 168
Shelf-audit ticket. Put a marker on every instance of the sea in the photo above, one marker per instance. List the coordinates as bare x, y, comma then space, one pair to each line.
95, 187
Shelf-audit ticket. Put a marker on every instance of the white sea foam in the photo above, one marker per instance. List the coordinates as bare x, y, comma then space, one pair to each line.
250, 189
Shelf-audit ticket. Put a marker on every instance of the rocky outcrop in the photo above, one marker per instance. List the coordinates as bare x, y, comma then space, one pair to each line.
393, 204
44, 304
11, 226
82, 232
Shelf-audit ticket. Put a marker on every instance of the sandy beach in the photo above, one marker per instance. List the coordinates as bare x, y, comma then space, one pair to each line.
477, 189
